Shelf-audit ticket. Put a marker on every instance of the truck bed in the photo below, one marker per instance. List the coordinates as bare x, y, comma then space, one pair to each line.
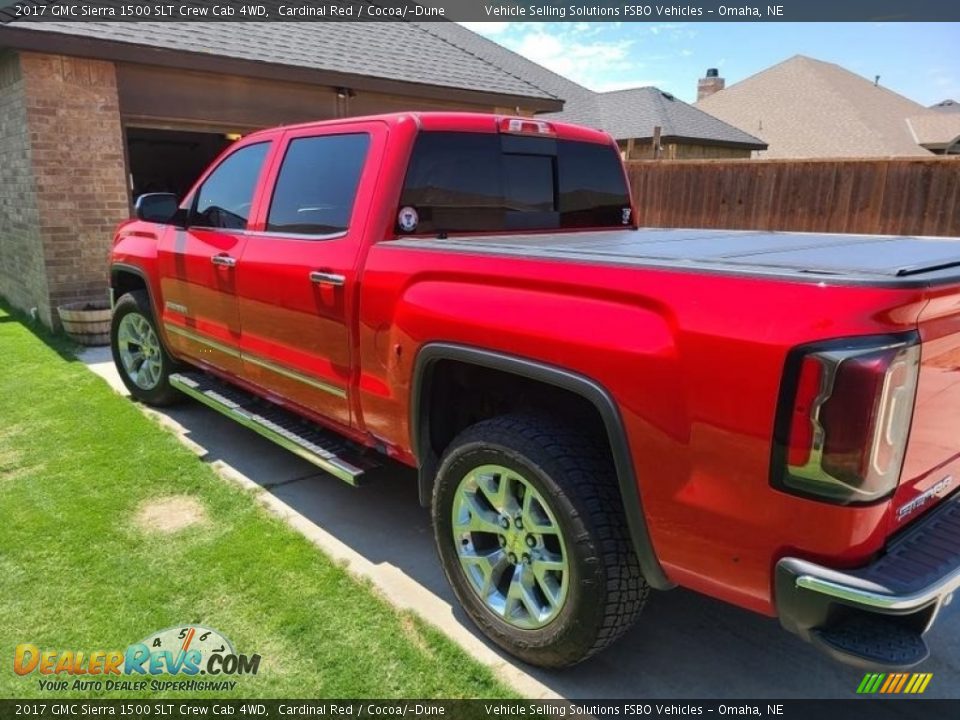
878, 260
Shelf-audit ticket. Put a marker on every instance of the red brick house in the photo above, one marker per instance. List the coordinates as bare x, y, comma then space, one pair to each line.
92, 114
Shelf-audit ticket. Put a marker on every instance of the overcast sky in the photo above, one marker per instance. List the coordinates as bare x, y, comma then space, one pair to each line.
919, 60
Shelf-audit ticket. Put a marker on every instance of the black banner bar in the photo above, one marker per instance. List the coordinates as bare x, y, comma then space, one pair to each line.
233, 709
32, 11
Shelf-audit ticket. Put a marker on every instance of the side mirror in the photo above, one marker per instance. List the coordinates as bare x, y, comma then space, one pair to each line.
156, 207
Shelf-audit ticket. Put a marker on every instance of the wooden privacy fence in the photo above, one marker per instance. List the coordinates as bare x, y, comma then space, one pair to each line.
884, 196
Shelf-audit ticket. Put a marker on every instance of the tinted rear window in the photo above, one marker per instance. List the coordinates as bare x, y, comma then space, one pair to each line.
473, 182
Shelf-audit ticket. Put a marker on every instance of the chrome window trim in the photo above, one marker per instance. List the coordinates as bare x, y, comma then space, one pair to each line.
277, 235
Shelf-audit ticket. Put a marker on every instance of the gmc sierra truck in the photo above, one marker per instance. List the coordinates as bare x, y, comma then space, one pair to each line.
595, 409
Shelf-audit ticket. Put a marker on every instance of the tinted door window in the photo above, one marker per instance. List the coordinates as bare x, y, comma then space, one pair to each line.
475, 182
317, 184
225, 197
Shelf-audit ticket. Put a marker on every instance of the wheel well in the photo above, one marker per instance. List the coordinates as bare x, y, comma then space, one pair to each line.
462, 394
125, 281
455, 386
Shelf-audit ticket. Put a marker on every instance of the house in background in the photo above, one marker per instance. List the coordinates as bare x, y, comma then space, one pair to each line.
806, 108
631, 116
685, 132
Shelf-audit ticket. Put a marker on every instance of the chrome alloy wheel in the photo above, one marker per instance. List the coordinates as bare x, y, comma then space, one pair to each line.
510, 547
139, 350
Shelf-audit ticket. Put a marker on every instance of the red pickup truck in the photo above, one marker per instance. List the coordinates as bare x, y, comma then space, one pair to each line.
595, 409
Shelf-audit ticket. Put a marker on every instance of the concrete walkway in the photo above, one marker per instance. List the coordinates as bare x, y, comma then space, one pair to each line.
684, 646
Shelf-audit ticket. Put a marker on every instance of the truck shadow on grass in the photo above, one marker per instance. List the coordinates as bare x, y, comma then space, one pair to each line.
684, 646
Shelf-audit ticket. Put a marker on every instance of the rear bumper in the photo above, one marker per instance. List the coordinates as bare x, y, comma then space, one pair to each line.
876, 616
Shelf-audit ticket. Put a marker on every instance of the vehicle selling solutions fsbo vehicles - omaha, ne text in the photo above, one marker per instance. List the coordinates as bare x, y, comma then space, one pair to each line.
595, 409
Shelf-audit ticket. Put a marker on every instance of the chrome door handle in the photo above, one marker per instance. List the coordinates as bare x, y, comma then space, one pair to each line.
325, 278
224, 260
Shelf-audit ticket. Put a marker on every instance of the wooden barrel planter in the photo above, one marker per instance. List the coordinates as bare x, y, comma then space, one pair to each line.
86, 322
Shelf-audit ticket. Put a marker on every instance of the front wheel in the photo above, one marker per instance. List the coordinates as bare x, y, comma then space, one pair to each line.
533, 539
142, 361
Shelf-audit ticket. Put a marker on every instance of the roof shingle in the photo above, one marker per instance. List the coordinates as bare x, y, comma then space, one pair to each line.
947, 106
406, 52
806, 108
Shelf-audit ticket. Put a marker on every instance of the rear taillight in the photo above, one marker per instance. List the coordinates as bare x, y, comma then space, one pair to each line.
844, 417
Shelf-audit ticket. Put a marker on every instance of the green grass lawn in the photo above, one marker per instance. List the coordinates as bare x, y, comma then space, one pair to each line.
78, 572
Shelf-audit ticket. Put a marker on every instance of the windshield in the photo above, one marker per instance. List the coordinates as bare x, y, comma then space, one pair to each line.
474, 182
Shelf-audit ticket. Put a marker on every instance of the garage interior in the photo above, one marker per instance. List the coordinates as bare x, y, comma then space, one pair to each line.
170, 160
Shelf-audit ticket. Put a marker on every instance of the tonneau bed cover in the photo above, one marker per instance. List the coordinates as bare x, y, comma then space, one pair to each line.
868, 259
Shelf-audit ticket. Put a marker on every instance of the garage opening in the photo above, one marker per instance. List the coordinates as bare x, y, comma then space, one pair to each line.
170, 160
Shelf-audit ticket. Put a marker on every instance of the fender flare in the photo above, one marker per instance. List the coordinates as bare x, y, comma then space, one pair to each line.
116, 268
119, 267
588, 389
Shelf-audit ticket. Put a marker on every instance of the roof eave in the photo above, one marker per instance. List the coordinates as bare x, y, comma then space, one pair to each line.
65, 44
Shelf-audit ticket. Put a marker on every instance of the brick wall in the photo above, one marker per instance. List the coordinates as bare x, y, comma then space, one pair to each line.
77, 150
22, 273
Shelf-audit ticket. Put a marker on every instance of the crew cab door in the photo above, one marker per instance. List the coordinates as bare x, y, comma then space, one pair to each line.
299, 269
197, 265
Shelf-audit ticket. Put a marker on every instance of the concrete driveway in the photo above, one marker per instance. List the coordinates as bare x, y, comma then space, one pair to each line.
684, 646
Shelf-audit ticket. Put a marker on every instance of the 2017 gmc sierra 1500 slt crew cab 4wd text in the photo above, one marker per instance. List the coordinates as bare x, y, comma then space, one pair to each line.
595, 409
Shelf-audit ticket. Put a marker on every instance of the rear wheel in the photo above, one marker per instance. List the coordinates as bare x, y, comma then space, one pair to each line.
533, 539
142, 361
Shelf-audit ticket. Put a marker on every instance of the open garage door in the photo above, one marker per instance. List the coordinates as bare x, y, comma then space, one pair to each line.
169, 160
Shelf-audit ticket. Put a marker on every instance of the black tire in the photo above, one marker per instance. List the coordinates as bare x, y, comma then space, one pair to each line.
161, 394
575, 474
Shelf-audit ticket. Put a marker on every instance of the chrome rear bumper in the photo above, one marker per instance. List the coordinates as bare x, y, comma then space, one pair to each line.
903, 590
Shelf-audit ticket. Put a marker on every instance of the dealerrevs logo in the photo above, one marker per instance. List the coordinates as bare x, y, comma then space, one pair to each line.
189, 650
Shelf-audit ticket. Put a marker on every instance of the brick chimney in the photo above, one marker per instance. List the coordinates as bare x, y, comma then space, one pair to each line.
707, 86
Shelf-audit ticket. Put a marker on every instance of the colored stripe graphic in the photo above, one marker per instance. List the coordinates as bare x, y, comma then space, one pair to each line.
870, 683
903, 681
894, 683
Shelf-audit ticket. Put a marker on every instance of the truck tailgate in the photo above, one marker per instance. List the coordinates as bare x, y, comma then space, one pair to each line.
932, 464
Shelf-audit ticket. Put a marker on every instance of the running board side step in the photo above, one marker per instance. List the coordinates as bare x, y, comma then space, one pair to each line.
321, 447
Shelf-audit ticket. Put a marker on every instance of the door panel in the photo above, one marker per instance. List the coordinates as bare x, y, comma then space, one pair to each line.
295, 339
297, 277
198, 274
200, 313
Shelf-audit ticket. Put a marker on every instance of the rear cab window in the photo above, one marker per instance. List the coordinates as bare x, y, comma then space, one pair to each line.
462, 182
